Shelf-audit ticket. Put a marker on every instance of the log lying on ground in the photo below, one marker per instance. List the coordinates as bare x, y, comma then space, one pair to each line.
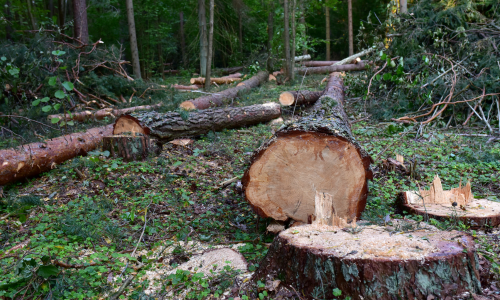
372, 263
318, 63
457, 204
235, 75
329, 69
231, 70
315, 153
171, 125
217, 99
35, 158
130, 147
299, 97
185, 87
302, 57
221, 80
101, 114
352, 58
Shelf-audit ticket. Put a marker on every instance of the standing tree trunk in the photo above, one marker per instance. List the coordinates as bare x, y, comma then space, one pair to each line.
303, 25
351, 35
183, 41
8, 18
327, 17
210, 45
240, 30
81, 29
51, 8
31, 15
202, 23
270, 36
133, 39
287, 41
292, 52
61, 11
403, 6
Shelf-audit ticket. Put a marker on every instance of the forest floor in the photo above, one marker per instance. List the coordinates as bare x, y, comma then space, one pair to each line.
68, 236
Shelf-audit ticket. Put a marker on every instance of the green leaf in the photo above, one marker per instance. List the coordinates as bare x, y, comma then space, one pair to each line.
3, 58
68, 85
70, 123
14, 72
62, 123
52, 81
383, 56
393, 64
45, 99
60, 94
337, 292
47, 108
387, 76
35, 103
58, 52
47, 271
57, 106
54, 120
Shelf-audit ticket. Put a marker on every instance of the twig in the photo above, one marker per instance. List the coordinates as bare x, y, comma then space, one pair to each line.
126, 283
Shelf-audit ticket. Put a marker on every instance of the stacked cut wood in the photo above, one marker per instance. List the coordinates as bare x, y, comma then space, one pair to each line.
315, 153
455, 204
100, 114
217, 99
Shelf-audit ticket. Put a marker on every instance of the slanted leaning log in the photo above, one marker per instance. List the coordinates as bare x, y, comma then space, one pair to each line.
172, 125
329, 69
299, 97
315, 153
217, 99
35, 158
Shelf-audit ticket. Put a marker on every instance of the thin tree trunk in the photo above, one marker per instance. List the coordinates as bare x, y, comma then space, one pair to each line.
133, 39
294, 31
240, 24
303, 23
8, 18
327, 19
202, 19
403, 6
210, 45
183, 42
61, 12
287, 41
270, 36
351, 35
31, 15
81, 29
51, 8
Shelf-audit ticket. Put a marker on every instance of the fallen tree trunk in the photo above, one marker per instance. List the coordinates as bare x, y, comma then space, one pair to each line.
235, 75
185, 87
318, 63
299, 97
351, 58
315, 153
101, 114
302, 57
231, 70
329, 69
35, 158
217, 99
171, 125
221, 80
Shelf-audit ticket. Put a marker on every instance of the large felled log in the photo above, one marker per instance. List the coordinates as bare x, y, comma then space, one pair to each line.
231, 70
302, 57
221, 80
354, 57
337, 68
299, 97
318, 63
185, 87
372, 263
35, 158
101, 114
171, 125
315, 153
235, 75
130, 147
218, 98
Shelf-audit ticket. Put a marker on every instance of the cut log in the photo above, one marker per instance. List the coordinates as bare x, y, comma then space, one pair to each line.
171, 125
315, 153
231, 70
231, 93
329, 69
352, 58
299, 97
235, 75
101, 114
372, 263
35, 158
318, 63
129, 147
185, 87
221, 80
457, 204
303, 57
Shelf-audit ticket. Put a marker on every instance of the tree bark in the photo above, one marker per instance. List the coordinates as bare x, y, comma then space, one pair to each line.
221, 80
61, 11
130, 148
31, 14
327, 18
318, 63
370, 264
8, 18
81, 29
183, 41
33, 159
286, 34
270, 36
202, 23
240, 30
133, 39
351, 34
185, 88
303, 24
337, 68
354, 57
292, 52
231, 70
299, 97
210, 45
315, 153
172, 125
403, 6
101, 114
218, 99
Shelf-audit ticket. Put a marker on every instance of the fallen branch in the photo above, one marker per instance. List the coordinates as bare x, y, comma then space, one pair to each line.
354, 57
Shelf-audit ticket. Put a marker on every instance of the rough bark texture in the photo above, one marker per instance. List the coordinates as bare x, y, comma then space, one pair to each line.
327, 21
133, 39
318, 63
270, 35
286, 36
171, 125
403, 6
101, 114
183, 40
185, 87
315, 153
220, 80
33, 159
299, 97
351, 32
292, 49
312, 270
218, 98
231, 70
329, 69
202, 24
130, 148
81, 29
210, 45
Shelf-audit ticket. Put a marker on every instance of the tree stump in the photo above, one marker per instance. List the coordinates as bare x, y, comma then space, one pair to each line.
372, 263
315, 153
131, 147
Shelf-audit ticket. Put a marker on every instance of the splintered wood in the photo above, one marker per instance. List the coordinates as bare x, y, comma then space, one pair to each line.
436, 195
324, 212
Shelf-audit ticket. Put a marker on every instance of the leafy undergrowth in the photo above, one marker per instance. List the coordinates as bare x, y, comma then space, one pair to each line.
71, 233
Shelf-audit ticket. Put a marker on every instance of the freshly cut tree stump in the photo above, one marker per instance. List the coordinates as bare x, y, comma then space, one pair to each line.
456, 204
372, 263
299, 97
173, 125
336, 68
129, 147
217, 99
315, 153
